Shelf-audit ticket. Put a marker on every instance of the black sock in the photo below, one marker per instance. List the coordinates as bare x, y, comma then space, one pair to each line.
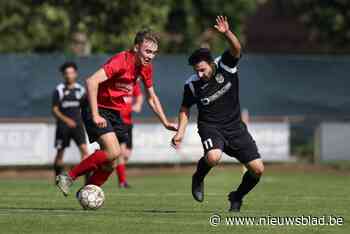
58, 169
202, 168
248, 183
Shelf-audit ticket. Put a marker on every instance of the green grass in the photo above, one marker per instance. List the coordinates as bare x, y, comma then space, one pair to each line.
162, 203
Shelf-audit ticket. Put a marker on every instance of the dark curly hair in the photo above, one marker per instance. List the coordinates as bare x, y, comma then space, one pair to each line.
66, 65
199, 55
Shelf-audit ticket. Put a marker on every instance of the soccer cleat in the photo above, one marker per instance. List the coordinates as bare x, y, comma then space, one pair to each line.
77, 193
235, 203
125, 185
64, 182
197, 189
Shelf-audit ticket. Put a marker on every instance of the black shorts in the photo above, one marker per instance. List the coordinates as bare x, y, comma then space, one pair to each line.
114, 124
64, 134
235, 142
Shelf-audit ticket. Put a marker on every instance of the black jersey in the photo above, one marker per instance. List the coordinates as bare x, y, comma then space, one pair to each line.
69, 100
217, 99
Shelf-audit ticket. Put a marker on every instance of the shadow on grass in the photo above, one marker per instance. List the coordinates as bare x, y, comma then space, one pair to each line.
177, 211
39, 209
160, 211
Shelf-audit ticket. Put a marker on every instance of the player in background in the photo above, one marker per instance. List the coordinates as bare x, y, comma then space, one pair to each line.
106, 90
134, 101
66, 108
215, 90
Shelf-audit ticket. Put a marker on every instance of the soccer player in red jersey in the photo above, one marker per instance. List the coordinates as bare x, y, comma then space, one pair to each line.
106, 90
134, 101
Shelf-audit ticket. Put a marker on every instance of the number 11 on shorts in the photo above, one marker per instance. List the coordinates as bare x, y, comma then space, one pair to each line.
208, 143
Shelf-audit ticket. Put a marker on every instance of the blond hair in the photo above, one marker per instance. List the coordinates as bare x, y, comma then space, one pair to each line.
146, 35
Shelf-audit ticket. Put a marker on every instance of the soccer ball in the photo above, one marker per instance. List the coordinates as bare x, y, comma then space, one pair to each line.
91, 197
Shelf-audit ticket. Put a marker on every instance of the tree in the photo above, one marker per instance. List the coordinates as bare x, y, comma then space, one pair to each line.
109, 26
27, 26
328, 21
190, 22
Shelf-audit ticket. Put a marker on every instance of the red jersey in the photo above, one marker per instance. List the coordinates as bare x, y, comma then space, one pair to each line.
122, 74
126, 114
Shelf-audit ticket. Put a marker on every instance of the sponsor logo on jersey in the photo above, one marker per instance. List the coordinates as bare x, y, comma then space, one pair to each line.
206, 101
124, 87
204, 86
67, 104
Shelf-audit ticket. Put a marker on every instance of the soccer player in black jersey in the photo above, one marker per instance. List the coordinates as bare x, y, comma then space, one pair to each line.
66, 104
214, 89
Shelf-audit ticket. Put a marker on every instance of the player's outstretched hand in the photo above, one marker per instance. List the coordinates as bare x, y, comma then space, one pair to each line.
176, 141
99, 121
222, 24
171, 126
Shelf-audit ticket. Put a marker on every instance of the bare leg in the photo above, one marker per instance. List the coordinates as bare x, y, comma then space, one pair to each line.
84, 154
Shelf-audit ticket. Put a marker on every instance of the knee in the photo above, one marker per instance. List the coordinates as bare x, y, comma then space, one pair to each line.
126, 158
85, 152
213, 158
258, 170
114, 153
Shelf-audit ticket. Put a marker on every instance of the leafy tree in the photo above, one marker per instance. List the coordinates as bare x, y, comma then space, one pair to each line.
49, 25
328, 21
190, 22
27, 26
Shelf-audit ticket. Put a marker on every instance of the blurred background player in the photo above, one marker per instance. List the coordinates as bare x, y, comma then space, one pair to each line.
134, 101
66, 108
106, 90
215, 90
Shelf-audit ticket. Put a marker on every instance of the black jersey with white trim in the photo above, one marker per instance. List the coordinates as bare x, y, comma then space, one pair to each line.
69, 101
217, 100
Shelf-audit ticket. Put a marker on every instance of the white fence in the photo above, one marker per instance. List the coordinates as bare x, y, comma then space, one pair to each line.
33, 144
332, 141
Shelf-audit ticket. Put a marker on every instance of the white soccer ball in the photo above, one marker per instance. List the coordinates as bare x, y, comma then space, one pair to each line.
91, 197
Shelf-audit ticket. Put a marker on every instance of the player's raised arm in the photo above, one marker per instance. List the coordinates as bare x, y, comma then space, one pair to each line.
92, 88
157, 108
223, 27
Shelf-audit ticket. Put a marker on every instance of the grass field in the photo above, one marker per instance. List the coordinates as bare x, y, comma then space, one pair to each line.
161, 203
